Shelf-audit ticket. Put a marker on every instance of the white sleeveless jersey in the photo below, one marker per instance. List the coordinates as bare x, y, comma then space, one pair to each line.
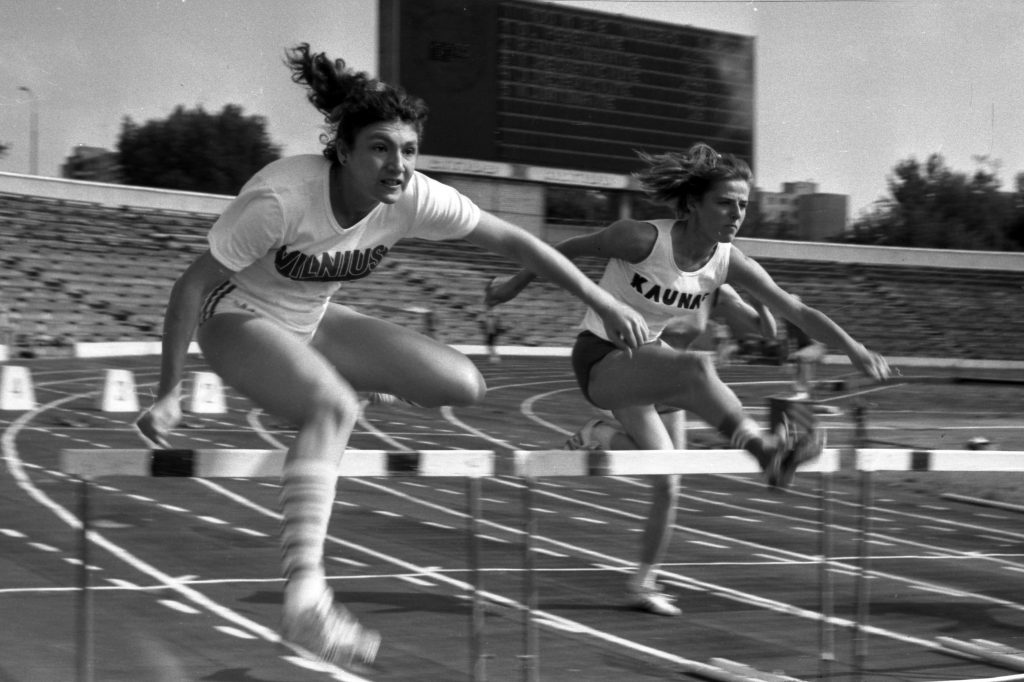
289, 254
661, 292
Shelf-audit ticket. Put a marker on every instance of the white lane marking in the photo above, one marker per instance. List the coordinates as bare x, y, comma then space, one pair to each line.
15, 467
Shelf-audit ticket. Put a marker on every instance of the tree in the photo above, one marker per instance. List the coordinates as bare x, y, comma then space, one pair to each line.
195, 151
4, 148
933, 206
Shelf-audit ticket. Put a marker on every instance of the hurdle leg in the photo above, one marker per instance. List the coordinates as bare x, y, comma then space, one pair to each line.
529, 659
477, 658
84, 644
826, 588
862, 596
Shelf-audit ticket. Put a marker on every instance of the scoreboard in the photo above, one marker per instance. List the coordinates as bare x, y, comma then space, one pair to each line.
543, 84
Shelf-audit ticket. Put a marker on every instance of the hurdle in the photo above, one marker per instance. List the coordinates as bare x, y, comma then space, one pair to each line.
870, 460
88, 465
529, 466
532, 465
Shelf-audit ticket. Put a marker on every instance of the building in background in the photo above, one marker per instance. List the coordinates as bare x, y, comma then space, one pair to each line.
92, 163
538, 110
800, 211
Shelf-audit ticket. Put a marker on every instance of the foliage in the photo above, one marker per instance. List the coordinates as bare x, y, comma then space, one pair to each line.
933, 206
195, 151
4, 148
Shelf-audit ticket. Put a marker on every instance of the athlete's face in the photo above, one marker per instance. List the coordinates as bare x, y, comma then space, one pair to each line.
719, 214
380, 163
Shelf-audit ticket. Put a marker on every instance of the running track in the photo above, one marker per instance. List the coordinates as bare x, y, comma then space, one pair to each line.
186, 570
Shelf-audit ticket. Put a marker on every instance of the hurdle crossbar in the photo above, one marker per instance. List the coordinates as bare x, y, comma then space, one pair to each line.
237, 463
890, 459
544, 463
87, 465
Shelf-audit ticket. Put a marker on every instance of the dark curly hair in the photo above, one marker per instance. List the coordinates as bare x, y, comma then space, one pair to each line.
674, 177
350, 100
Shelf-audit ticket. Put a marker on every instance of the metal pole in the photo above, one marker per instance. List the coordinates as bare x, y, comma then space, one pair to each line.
33, 131
477, 660
84, 649
529, 659
826, 629
860, 642
862, 594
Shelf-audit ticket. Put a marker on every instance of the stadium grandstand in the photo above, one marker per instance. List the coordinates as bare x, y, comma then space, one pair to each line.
87, 264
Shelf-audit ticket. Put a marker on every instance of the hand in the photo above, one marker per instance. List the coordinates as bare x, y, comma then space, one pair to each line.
871, 364
156, 423
501, 289
625, 327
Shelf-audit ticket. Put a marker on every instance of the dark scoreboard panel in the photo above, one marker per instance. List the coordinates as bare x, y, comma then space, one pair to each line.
548, 85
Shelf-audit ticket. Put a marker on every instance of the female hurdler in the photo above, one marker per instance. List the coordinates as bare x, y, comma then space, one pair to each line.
668, 270
259, 303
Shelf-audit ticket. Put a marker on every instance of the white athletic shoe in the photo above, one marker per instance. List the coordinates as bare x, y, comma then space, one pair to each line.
330, 633
652, 600
584, 438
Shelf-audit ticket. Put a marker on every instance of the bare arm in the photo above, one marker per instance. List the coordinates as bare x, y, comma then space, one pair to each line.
628, 240
625, 326
743, 318
180, 321
748, 274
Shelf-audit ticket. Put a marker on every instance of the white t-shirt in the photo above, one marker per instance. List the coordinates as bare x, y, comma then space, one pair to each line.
661, 292
289, 254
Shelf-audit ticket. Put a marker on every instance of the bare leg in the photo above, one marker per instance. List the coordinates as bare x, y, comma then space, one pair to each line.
314, 386
657, 373
645, 429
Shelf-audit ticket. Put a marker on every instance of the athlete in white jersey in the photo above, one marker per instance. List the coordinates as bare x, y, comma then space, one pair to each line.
260, 297
656, 287
668, 270
293, 254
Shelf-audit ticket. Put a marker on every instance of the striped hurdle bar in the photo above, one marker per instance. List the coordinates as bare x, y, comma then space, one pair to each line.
88, 465
533, 464
869, 460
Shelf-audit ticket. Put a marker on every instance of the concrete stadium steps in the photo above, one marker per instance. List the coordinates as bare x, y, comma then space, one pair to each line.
102, 273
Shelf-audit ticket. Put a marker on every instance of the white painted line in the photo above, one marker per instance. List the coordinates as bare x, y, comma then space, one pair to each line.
550, 552
178, 606
746, 519
435, 524
416, 581
234, 632
250, 531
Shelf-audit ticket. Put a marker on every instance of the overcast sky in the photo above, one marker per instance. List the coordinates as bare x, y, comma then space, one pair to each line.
845, 88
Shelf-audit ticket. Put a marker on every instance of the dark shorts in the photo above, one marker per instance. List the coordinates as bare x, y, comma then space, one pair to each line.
588, 350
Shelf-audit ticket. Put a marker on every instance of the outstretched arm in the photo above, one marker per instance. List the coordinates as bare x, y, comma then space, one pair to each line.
748, 274
180, 321
626, 328
626, 239
744, 319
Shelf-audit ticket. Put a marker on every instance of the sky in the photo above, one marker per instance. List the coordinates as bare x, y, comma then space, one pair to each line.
845, 89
